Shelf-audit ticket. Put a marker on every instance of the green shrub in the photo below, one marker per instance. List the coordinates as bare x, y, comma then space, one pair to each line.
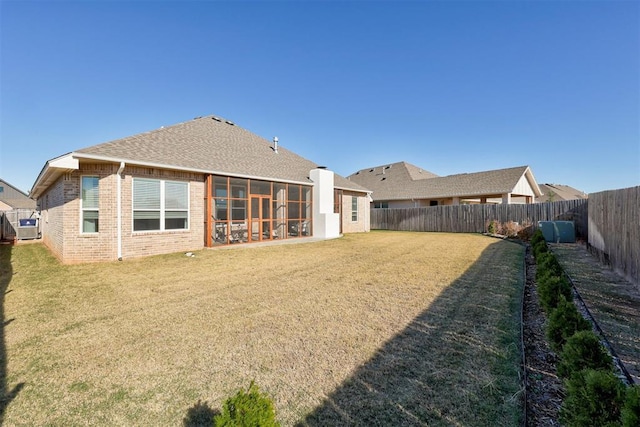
537, 237
493, 227
631, 408
539, 249
594, 398
550, 289
547, 265
247, 409
583, 350
564, 321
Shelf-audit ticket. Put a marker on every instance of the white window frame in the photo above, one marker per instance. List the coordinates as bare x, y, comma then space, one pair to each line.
354, 212
163, 208
83, 209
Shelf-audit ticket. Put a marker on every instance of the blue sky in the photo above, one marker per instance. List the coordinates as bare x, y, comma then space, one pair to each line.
451, 87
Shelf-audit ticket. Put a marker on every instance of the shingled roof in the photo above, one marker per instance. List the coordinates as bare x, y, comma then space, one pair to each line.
403, 181
14, 197
209, 145
557, 192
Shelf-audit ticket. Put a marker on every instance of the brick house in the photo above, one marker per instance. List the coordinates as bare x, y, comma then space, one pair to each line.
201, 183
403, 185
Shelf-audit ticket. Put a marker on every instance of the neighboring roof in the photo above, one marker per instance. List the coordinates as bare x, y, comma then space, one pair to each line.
557, 192
15, 197
402, 181
206, 145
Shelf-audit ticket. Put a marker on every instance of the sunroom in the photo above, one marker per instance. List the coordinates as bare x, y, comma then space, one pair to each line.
248, 210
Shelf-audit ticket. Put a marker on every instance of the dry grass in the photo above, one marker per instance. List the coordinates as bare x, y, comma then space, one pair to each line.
384, 328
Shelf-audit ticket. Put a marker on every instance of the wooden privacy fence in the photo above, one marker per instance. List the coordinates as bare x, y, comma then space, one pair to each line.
475, 218
614, 230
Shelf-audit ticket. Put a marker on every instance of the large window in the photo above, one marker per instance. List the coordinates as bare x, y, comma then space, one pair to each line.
160, 205
89, 200
354, 208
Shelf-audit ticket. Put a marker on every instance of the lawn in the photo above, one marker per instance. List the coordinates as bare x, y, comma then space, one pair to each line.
387, 328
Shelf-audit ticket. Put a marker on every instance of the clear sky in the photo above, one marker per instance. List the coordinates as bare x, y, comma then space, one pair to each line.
450, 86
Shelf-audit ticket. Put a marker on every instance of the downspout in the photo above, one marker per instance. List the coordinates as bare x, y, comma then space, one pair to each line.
119, 208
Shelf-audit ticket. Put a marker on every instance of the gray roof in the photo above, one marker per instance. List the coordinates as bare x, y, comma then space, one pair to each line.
212, 145
15, 197
403, 181
557, 192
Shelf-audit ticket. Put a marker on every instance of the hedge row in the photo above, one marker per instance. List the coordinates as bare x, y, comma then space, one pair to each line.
594, 395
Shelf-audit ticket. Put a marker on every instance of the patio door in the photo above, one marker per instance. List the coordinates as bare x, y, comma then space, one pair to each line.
260, 218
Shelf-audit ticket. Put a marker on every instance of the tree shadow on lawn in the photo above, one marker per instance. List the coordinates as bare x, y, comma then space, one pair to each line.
6, 274
200, 415
457, 363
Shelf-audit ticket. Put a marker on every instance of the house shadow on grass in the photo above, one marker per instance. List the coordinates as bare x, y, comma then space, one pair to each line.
6, 274
457, 363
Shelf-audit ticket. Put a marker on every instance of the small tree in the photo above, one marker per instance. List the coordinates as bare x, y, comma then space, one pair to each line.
247, 409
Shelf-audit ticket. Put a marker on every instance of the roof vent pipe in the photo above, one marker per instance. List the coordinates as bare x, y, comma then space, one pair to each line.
275, 144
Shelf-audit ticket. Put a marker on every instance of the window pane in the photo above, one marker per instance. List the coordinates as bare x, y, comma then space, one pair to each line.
90, 221
294, 192
220, 187
260, 187
146, 194
176, 223
90, 192
176, 195
293, 210
220, 209
239, 188
146, 224
306, 193
146, 220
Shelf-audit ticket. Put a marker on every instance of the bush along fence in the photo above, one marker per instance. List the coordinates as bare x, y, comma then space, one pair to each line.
595, 395
506, 218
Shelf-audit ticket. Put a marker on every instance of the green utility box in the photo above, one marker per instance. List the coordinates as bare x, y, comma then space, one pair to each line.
558, 231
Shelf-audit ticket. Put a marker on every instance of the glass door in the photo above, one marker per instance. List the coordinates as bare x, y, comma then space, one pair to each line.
260, 218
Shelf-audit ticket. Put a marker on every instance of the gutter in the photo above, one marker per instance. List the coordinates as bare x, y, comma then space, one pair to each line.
119, 208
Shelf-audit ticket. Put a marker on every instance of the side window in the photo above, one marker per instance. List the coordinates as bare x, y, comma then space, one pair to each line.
89, 202
354, 208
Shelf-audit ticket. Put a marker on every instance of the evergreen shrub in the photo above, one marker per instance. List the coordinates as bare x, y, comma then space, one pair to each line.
594, 398
547, 265
583, 350
247, 409
631, 409
563, 322
550, 289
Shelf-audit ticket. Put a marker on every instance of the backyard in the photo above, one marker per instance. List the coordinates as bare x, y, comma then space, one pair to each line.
386, 328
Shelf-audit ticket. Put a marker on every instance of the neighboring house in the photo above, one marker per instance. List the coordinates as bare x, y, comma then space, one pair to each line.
401, 185
557, 192
201, 183
13, 198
